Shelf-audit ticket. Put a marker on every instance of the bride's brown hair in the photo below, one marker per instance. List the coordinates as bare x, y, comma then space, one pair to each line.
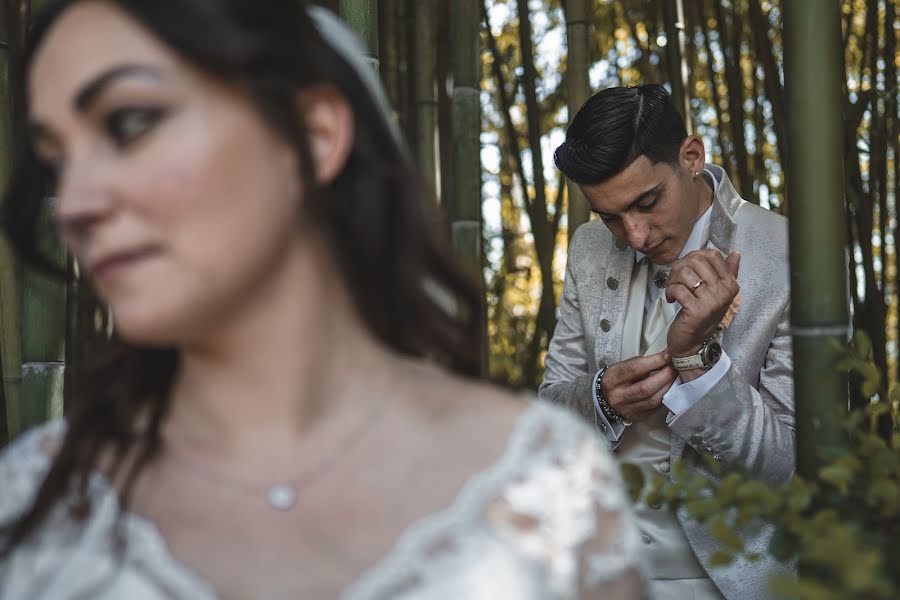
373, 217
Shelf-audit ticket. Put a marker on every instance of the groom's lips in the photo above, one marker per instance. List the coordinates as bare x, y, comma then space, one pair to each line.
652, 249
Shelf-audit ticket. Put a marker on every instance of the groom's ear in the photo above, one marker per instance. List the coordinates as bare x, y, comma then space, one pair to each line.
692, 154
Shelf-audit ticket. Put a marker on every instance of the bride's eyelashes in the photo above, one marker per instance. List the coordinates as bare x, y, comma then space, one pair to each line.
123, 126
126, 125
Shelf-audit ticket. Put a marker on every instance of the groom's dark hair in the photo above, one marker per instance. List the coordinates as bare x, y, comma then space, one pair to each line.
616, 126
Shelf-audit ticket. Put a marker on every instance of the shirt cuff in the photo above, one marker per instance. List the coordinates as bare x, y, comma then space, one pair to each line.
682, 396
611, 431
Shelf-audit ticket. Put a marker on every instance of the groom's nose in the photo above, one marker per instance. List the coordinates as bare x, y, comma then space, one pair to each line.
636, 231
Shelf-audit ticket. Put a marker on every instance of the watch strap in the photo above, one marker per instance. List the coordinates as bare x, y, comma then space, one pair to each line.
686, 363
701, 360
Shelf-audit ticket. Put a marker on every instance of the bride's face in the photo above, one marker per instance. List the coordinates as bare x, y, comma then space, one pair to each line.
173, 195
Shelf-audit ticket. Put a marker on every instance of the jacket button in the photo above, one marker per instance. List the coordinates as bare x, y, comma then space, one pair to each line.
605, 325
612, 283
646, 538
664, 466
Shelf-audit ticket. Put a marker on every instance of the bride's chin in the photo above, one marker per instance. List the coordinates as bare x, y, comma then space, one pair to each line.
151, 329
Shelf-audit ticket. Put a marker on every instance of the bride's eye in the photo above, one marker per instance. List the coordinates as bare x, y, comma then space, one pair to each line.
127, 125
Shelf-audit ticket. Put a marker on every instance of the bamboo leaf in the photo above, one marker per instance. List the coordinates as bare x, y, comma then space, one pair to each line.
726, 535
720, 558
634, 480
862, 343
838, 476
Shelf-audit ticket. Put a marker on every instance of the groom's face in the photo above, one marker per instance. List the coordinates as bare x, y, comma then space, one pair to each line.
652, 207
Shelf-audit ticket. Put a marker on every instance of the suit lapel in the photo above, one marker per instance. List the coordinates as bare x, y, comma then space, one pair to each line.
722, 226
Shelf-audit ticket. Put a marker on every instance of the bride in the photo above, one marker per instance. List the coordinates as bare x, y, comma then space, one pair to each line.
286, 409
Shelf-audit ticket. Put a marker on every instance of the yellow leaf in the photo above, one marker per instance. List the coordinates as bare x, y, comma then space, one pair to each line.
720, 558
634, 480
726, 535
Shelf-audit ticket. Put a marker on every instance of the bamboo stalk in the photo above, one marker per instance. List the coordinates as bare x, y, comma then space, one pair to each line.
673, 18
43, 341
579, 88
730, 44
425, 77
389, 50
812, 51
759, 24
540, 227
10, 332
10, 283
362, 16
466, 203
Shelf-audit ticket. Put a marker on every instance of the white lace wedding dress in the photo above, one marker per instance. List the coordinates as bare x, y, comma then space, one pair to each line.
548, 520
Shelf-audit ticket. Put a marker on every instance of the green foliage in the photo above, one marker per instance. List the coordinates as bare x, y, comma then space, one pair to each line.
842, 527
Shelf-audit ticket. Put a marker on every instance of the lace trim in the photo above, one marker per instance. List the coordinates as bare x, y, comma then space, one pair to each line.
542, 434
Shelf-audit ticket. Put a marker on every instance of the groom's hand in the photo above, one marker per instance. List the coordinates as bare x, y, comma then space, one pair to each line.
705, 284
635, 387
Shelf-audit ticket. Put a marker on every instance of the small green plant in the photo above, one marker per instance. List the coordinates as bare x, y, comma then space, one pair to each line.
841, 528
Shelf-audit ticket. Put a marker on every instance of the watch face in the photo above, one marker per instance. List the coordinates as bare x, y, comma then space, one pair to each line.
712, 353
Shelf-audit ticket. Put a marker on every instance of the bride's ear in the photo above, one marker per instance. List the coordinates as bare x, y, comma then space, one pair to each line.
330, 129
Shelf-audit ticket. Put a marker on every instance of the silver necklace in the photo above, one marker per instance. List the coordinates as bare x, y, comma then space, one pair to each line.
281, 496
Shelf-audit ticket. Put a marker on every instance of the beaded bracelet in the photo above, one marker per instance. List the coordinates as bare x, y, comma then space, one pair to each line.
611, 414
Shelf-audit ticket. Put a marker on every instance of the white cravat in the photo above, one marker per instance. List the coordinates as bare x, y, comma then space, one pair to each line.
656, 325
634, 312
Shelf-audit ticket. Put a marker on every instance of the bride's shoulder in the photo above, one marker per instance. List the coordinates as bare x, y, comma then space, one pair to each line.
24, 464
446, 394
509, 421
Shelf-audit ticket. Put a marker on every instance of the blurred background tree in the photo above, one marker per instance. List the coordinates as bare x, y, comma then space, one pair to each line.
483, 90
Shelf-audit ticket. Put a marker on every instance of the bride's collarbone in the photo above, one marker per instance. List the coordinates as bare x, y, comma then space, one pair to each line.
343, 523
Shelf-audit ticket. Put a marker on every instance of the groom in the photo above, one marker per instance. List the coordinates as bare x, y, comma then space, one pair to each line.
673, 335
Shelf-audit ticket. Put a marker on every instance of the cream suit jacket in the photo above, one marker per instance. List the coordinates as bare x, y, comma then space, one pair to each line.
747, 418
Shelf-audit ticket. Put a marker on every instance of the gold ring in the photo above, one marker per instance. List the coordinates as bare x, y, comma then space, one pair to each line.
696, 285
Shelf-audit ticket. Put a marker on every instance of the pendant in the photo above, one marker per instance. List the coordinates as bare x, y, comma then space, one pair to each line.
282, 496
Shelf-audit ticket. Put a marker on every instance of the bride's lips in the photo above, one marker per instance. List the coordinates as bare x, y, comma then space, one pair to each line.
113, 264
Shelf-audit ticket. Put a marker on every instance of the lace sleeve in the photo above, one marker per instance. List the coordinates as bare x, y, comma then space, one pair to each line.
23, 465
609, 557
570, 511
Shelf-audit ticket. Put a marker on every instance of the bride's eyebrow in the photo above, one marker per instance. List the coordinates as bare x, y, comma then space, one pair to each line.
89, 93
